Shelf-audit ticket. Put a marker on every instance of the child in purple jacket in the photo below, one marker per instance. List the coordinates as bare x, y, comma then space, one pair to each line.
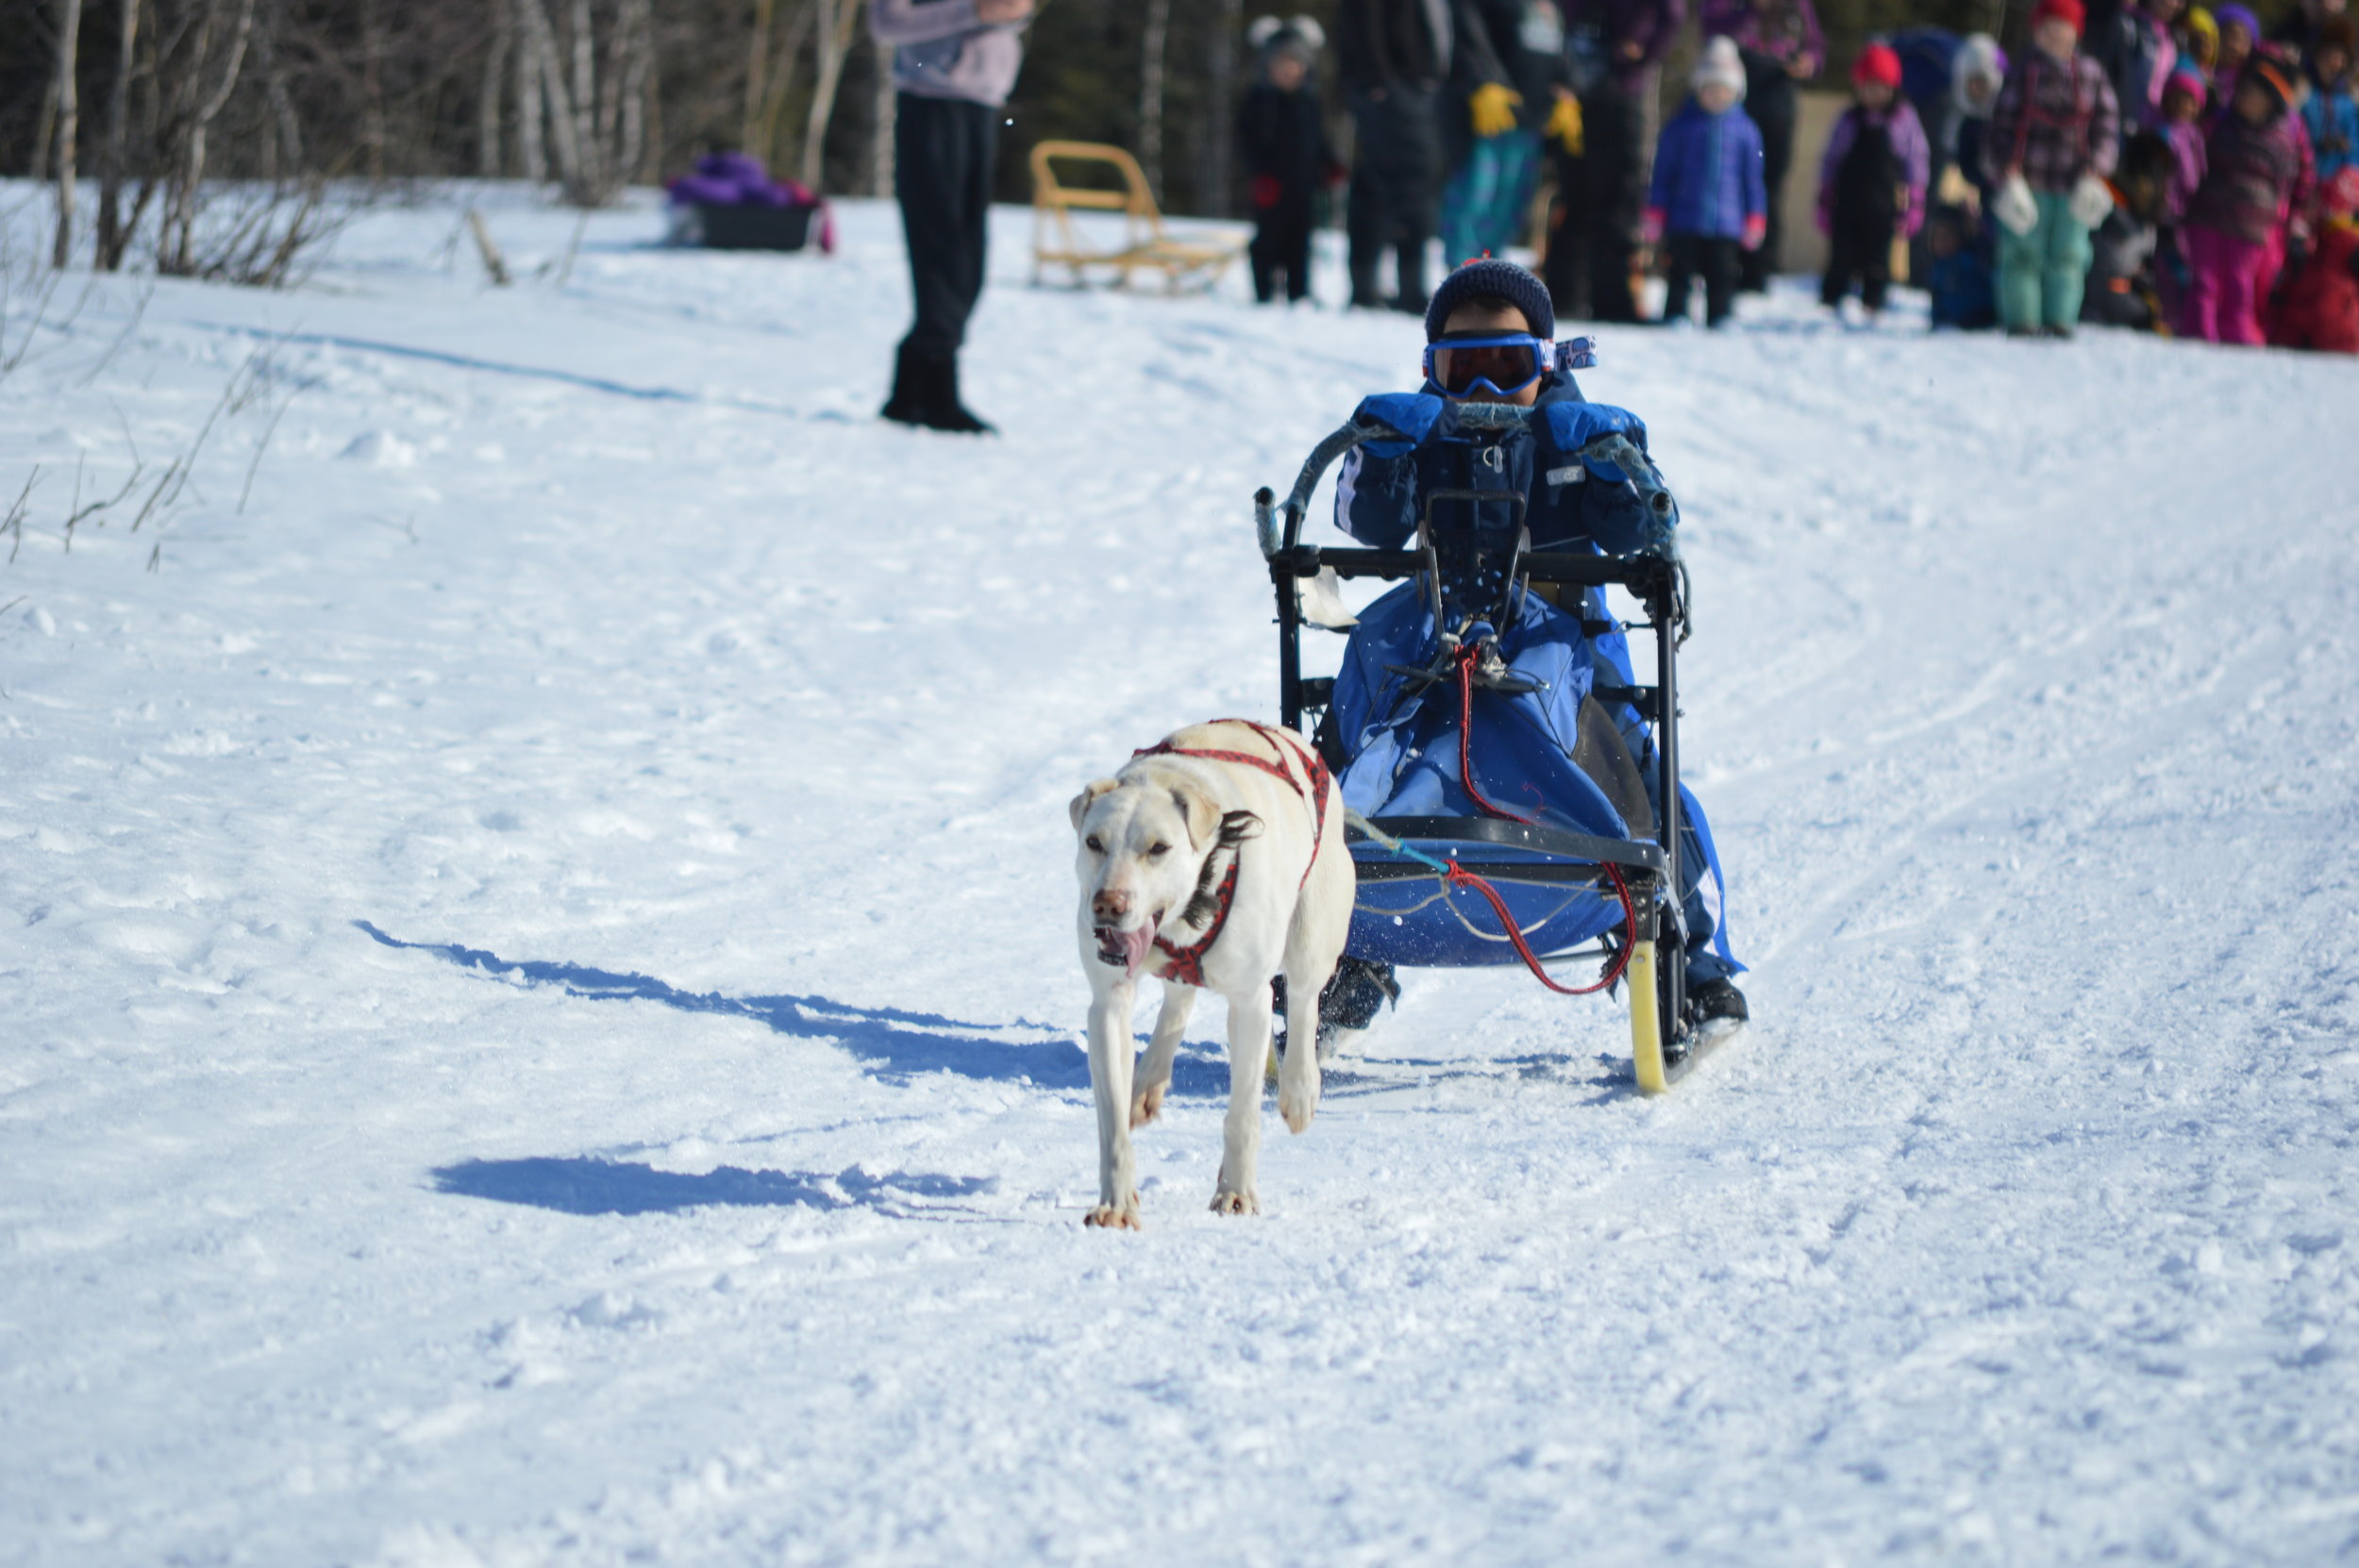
1710, 202
1871, 185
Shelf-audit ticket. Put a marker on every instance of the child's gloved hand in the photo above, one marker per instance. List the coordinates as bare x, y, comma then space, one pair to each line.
1411, 415
1264, 191
1565, 128
1574, 425
1756, 230
2092, 203
1492, 106
1650, 225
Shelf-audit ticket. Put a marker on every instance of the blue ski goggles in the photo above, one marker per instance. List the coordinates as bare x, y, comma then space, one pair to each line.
1500, 363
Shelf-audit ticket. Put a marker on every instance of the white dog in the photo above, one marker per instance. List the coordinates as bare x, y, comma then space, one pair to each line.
1214, 861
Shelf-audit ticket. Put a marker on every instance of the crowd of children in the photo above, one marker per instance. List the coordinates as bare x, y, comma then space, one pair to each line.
2177, 172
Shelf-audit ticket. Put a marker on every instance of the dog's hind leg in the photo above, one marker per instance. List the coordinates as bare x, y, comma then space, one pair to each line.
1241, 1133
1314, 941
1154, 1073
1110, 1085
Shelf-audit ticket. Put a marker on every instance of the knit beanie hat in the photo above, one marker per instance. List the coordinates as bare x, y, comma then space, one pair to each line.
2242, 16
1302, 38
2273, 78
1878, 62
1492, 278
2187, 79
1720, 64
2061, 10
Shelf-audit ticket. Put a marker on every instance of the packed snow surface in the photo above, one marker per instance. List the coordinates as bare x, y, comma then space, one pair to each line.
540, 1007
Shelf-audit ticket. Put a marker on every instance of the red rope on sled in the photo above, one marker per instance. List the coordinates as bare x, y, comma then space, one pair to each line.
1459, 876
1462, 877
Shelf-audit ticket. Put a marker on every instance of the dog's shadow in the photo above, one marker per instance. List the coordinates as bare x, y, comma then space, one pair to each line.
896, 1045
583, 1185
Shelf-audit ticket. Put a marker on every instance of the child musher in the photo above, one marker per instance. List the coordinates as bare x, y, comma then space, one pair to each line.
1281, 133
2234, 223
2053, 139
1487, 334
1871, 184
1710, 202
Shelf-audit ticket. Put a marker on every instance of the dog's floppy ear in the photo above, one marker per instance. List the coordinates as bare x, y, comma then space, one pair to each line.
1201, 812
1088, 797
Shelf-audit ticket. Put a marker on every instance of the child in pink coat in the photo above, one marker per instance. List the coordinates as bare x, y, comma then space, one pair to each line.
2232, 222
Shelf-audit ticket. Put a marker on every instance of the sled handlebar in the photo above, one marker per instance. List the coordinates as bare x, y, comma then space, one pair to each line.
1280, 528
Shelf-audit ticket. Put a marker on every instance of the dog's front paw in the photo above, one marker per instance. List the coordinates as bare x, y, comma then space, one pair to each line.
1147, 1103
1296, 1107
1236, 1202
1112, 1216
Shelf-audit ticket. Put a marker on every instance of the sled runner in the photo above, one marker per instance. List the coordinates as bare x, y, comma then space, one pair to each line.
1521, 827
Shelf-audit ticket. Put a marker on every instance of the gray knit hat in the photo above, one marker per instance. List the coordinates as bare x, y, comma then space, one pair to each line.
1491, 276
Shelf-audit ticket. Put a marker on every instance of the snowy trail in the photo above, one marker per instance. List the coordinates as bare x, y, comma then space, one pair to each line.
540, 1015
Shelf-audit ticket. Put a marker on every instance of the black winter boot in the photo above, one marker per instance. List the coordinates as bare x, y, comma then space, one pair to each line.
907, 406
948, 412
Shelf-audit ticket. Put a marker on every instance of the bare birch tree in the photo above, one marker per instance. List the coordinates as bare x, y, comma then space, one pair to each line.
838, 24
1151, 46
69, 126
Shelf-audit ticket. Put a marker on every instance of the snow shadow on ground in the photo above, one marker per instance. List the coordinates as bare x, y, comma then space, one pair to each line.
588, 1186
897, 1045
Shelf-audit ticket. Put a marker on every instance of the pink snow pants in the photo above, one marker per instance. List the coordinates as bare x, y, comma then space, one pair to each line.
2223, 303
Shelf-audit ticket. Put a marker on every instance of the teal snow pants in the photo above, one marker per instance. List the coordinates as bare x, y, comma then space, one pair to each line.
2041, 274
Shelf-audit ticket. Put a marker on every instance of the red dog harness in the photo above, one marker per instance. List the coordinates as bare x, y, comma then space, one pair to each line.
1186, 965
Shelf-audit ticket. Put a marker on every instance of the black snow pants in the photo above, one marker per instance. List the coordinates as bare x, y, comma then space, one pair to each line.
1774, 103
1281, 243
1716, 261
1613, 126
942, 154
1396, 191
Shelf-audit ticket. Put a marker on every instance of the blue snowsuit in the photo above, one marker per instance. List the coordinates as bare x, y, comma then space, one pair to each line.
1399, 748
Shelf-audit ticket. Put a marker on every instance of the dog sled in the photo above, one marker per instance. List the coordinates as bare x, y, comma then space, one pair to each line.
1507, 845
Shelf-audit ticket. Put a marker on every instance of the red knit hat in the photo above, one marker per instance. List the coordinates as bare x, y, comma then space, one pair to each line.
2061, 10
1877, 63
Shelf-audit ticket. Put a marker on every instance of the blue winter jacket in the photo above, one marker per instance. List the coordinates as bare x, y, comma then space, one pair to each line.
2331, 118
1567, 505
1708, 174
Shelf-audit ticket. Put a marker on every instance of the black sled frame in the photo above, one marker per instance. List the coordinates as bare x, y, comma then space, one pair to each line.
1662, 1044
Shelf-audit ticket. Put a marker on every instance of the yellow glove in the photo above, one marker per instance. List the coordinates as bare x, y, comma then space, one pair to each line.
1565, 124
1494, 108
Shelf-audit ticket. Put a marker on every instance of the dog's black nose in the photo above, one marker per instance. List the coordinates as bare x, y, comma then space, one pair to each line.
1110, 906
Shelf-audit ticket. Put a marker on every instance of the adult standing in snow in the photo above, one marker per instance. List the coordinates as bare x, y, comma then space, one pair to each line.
1393, 55
2054, 139
1509, 64
1623, 42
1782, 47
954, 62
2139, 56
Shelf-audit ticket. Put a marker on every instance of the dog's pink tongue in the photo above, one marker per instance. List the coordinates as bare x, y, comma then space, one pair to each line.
1127, 948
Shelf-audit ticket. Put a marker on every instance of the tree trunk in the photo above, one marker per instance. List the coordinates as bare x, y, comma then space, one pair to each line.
837, 20
180, 255
531, 114
1151, 95
880, 136
591, 177
69, 127
540, 46
634, 41
1217, 198
111, 237
373, 137
757, 68
487, 133
780, 78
